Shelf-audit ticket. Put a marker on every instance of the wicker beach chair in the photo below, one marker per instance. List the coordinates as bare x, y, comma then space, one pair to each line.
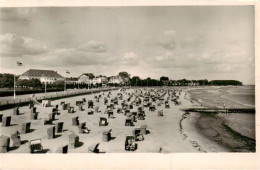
152, 108
71, 109
73, 141
78, 103
16, 139
4, 144
97, 109
138, 135
129, 121
34, 116
59, 127
31, 104
25, 127
36, 146
6, 121
16, 111
90, 104
46, 103
51, 132
160, 113
106, 135
33, 110
94, 148
130, 144
83, 129
75, 121
103, 121
55, 111
110, 114
141, 115
167, 104
62, 149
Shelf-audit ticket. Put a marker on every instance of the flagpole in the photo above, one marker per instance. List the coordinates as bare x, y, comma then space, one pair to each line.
65, 84
14, 84
19, 64
45, 87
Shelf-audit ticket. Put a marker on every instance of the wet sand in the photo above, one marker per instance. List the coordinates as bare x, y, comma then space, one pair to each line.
215, 128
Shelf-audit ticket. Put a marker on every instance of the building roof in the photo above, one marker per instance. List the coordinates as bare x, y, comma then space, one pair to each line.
41, 73
72, 79
86, 74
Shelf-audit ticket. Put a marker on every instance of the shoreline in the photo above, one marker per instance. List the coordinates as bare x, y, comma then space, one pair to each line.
216, 128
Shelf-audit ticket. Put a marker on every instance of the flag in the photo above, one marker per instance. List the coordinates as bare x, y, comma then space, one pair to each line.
19, 63
67, 72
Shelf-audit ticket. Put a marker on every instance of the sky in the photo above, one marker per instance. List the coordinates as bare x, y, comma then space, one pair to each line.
192, 42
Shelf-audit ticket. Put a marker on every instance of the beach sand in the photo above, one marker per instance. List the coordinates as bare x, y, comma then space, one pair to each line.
177, 131
164, 131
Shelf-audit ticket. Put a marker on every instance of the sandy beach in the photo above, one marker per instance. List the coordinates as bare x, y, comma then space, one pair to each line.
165, 132
176, 131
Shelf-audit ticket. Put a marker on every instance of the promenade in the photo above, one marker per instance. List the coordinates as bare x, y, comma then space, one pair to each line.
49, 95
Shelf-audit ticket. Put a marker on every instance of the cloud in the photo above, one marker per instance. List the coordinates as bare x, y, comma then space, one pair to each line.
35, 53
167, 39
17, 15
75, 57
72, 57
93, 46
164, 57
129, 58
223, 68
13, 45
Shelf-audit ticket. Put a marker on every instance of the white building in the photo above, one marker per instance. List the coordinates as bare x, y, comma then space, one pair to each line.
48, 76
116, 80
72, 80
100, 80
85, 79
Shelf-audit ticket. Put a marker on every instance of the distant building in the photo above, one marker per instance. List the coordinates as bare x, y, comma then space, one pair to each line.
48, 76
85, 78
116, 80
72, 80
94, 81
100, 80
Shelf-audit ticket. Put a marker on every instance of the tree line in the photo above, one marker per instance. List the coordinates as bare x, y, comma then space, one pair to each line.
7, 81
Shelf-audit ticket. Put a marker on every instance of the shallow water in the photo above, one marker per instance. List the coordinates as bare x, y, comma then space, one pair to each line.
232, 97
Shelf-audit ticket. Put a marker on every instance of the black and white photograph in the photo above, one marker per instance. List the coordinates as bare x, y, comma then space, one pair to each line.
127, 79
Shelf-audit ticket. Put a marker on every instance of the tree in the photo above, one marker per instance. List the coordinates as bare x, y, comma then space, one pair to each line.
36, 83
124, 74
7, 80
24, 83
225, 83
164, 78
135, 80
90, 75
204, 82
